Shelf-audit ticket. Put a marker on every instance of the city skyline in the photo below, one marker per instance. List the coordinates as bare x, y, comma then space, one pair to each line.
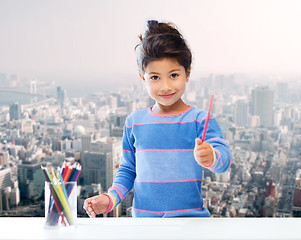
264, 178
94, 41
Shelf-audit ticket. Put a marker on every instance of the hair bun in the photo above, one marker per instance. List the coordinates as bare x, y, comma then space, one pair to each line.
154, 27
152, 23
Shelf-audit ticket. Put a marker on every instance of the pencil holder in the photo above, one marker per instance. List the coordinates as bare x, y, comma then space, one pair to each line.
60, 204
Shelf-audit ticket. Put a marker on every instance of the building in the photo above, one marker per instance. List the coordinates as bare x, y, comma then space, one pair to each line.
127, 203
15, 111
282, 92
112, 146
27, 126
241, 111
5, 178
31, 180
117, 122
86, 142
97, 168
4, 157
61, 96
262, 104
297, 195
9, 191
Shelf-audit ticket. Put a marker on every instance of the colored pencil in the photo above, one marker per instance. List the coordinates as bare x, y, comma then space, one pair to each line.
59, 204
207, 119
53, 194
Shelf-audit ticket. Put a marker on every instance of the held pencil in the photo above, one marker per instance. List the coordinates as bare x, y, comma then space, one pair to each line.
207, 119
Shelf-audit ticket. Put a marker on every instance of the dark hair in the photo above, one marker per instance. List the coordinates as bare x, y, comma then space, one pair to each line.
162, 40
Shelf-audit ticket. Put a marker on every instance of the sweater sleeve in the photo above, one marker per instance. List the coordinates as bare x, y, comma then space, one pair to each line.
215, 138
126, 174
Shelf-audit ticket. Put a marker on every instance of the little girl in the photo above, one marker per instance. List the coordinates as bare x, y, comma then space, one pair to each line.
163, 154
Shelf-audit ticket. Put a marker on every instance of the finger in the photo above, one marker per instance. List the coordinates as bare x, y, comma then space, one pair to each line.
206, 161
198, 141
91, 212
204, 145
85, 204
91, 215
206, 164
204, 153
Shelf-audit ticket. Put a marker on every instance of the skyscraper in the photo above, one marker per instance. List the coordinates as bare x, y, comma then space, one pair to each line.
297, 195
282, 91
61, 96
97, 168
15, 111
241, 111
31, 180
5, 178
262, 104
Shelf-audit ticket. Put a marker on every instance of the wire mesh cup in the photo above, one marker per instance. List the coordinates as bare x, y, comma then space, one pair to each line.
60, 204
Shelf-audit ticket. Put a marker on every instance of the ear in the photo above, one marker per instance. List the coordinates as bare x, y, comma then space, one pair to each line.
141, 76
188, 74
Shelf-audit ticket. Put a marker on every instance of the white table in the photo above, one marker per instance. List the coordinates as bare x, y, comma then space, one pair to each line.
151, 228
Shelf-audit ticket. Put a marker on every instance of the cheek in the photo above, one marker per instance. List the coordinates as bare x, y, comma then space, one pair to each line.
181, 86
151, 87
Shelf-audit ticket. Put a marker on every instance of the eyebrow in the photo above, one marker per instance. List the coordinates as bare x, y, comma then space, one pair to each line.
174, 70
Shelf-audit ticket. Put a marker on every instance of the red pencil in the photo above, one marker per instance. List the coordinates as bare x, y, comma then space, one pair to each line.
207, 119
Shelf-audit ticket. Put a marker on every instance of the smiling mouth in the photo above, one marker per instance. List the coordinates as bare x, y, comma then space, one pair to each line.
167, 95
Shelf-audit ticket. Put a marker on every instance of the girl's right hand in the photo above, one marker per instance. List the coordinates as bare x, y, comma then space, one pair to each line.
96, 205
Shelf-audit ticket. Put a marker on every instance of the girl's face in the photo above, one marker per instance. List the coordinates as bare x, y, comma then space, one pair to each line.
165, 81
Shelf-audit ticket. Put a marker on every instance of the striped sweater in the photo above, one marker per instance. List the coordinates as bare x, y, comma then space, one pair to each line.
158, 161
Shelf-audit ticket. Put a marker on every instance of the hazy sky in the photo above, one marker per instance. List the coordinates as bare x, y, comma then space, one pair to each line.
95, 39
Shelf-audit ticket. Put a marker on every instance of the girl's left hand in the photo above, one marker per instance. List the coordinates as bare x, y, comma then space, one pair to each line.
203, 153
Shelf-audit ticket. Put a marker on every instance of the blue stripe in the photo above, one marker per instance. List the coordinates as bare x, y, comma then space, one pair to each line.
163, 166
168, 196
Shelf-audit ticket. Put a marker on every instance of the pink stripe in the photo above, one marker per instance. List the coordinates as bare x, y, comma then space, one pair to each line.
168, 115
214, 165
126, 150
205, 118
184, 210
165, 150
139, 124
118, 192
170, 181
110, 203
218, 154
121, 186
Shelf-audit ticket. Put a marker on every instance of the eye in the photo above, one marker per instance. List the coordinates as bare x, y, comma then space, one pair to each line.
154, 77
174, 75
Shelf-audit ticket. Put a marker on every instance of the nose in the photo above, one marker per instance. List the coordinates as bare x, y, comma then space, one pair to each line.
165, 85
